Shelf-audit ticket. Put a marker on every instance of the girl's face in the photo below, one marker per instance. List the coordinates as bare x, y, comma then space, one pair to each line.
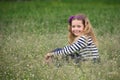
77, 27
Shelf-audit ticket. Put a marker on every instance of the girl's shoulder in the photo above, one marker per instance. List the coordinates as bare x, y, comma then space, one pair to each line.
82, 37
86, 37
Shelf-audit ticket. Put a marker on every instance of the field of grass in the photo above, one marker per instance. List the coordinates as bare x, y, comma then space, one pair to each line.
30, 29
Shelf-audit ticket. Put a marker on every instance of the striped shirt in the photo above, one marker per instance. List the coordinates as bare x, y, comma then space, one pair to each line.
83, 46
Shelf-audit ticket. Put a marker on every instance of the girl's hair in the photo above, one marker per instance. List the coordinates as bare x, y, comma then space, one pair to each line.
87, 28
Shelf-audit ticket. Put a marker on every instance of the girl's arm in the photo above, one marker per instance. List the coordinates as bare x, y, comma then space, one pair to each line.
76, 46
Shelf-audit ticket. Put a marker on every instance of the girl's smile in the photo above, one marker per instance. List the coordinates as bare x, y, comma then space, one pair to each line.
77, 27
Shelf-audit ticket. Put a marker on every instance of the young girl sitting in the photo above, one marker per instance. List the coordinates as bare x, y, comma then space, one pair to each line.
83, 44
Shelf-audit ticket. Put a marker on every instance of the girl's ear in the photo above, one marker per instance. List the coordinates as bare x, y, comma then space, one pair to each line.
86, 22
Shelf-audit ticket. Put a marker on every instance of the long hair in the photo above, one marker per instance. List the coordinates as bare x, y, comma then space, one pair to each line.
88, 30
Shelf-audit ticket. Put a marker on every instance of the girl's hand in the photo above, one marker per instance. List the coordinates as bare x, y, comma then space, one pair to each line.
48, 57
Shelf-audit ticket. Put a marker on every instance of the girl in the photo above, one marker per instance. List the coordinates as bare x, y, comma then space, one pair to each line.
83, 44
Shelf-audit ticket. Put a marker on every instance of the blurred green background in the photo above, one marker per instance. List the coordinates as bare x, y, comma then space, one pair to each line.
31, 28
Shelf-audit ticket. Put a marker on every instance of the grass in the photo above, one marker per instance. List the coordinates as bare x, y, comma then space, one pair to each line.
30, 29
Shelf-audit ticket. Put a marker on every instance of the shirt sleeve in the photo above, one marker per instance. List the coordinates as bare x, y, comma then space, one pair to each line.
76, 46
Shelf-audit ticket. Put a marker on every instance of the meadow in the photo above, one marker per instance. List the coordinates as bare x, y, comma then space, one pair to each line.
30, 29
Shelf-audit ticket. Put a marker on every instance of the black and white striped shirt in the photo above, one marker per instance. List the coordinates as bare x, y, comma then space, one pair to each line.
83, 46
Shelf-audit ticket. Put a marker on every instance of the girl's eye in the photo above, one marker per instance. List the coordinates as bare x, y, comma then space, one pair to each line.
73, 26
78, 26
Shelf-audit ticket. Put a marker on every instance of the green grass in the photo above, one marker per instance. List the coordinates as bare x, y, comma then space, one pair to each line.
28, 30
